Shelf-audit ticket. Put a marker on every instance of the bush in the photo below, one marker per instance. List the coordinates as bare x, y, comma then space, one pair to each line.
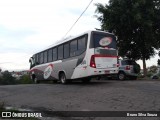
25, 79
7, 79
149, 74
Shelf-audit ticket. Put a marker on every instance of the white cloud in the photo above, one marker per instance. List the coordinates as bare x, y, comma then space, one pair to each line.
14, 61
150, 62
43, 21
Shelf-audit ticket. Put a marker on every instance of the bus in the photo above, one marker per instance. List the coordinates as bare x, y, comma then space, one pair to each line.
89, 55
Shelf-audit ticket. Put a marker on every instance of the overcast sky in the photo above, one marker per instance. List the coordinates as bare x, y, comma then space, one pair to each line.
27, 26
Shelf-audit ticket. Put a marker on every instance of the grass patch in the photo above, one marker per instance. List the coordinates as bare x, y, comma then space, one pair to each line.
25, 79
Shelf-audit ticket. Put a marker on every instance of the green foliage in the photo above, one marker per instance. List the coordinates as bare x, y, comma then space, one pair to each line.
25, 79
137, 68
136, 24
153, 69
149, 74
7, 79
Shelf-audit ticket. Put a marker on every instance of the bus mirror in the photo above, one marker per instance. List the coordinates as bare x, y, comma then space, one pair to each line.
30, 60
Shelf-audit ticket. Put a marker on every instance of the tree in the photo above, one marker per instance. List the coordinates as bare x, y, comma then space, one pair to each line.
136, 24
7, 78
152, 69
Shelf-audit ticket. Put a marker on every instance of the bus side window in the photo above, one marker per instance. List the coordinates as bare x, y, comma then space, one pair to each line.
50, 55
45, 57
66, 50
73, 48
60, 52
37, 59
81, 45
54, 54
41, 58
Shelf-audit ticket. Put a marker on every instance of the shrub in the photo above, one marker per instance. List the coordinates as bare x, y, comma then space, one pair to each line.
7, 79
25, 79
149, 74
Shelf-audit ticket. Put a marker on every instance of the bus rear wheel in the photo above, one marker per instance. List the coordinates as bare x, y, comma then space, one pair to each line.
62, 78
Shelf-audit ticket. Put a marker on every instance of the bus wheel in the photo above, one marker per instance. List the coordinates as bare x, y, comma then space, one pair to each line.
62, 78
35, 80
121, 76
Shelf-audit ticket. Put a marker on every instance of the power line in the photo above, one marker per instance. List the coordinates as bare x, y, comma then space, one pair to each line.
78, 18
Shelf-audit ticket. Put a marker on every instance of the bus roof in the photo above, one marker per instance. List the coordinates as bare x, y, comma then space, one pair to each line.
69, 38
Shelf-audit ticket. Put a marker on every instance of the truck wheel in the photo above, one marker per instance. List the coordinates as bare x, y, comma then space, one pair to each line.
121, 76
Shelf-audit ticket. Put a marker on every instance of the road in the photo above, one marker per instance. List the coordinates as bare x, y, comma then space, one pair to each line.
106, 95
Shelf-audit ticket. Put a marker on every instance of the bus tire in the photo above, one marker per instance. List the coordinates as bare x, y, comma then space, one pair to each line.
35, 79
62, 78
121, 76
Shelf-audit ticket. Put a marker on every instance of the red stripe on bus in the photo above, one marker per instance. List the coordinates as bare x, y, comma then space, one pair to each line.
97, 55
35, 70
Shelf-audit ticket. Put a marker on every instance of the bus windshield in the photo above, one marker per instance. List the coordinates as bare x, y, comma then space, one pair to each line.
104, 43
32, 61
103, 40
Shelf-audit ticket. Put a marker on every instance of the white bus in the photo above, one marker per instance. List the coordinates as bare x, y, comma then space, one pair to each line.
91, 54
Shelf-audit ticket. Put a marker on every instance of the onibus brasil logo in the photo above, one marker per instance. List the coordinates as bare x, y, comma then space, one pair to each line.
21, 115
